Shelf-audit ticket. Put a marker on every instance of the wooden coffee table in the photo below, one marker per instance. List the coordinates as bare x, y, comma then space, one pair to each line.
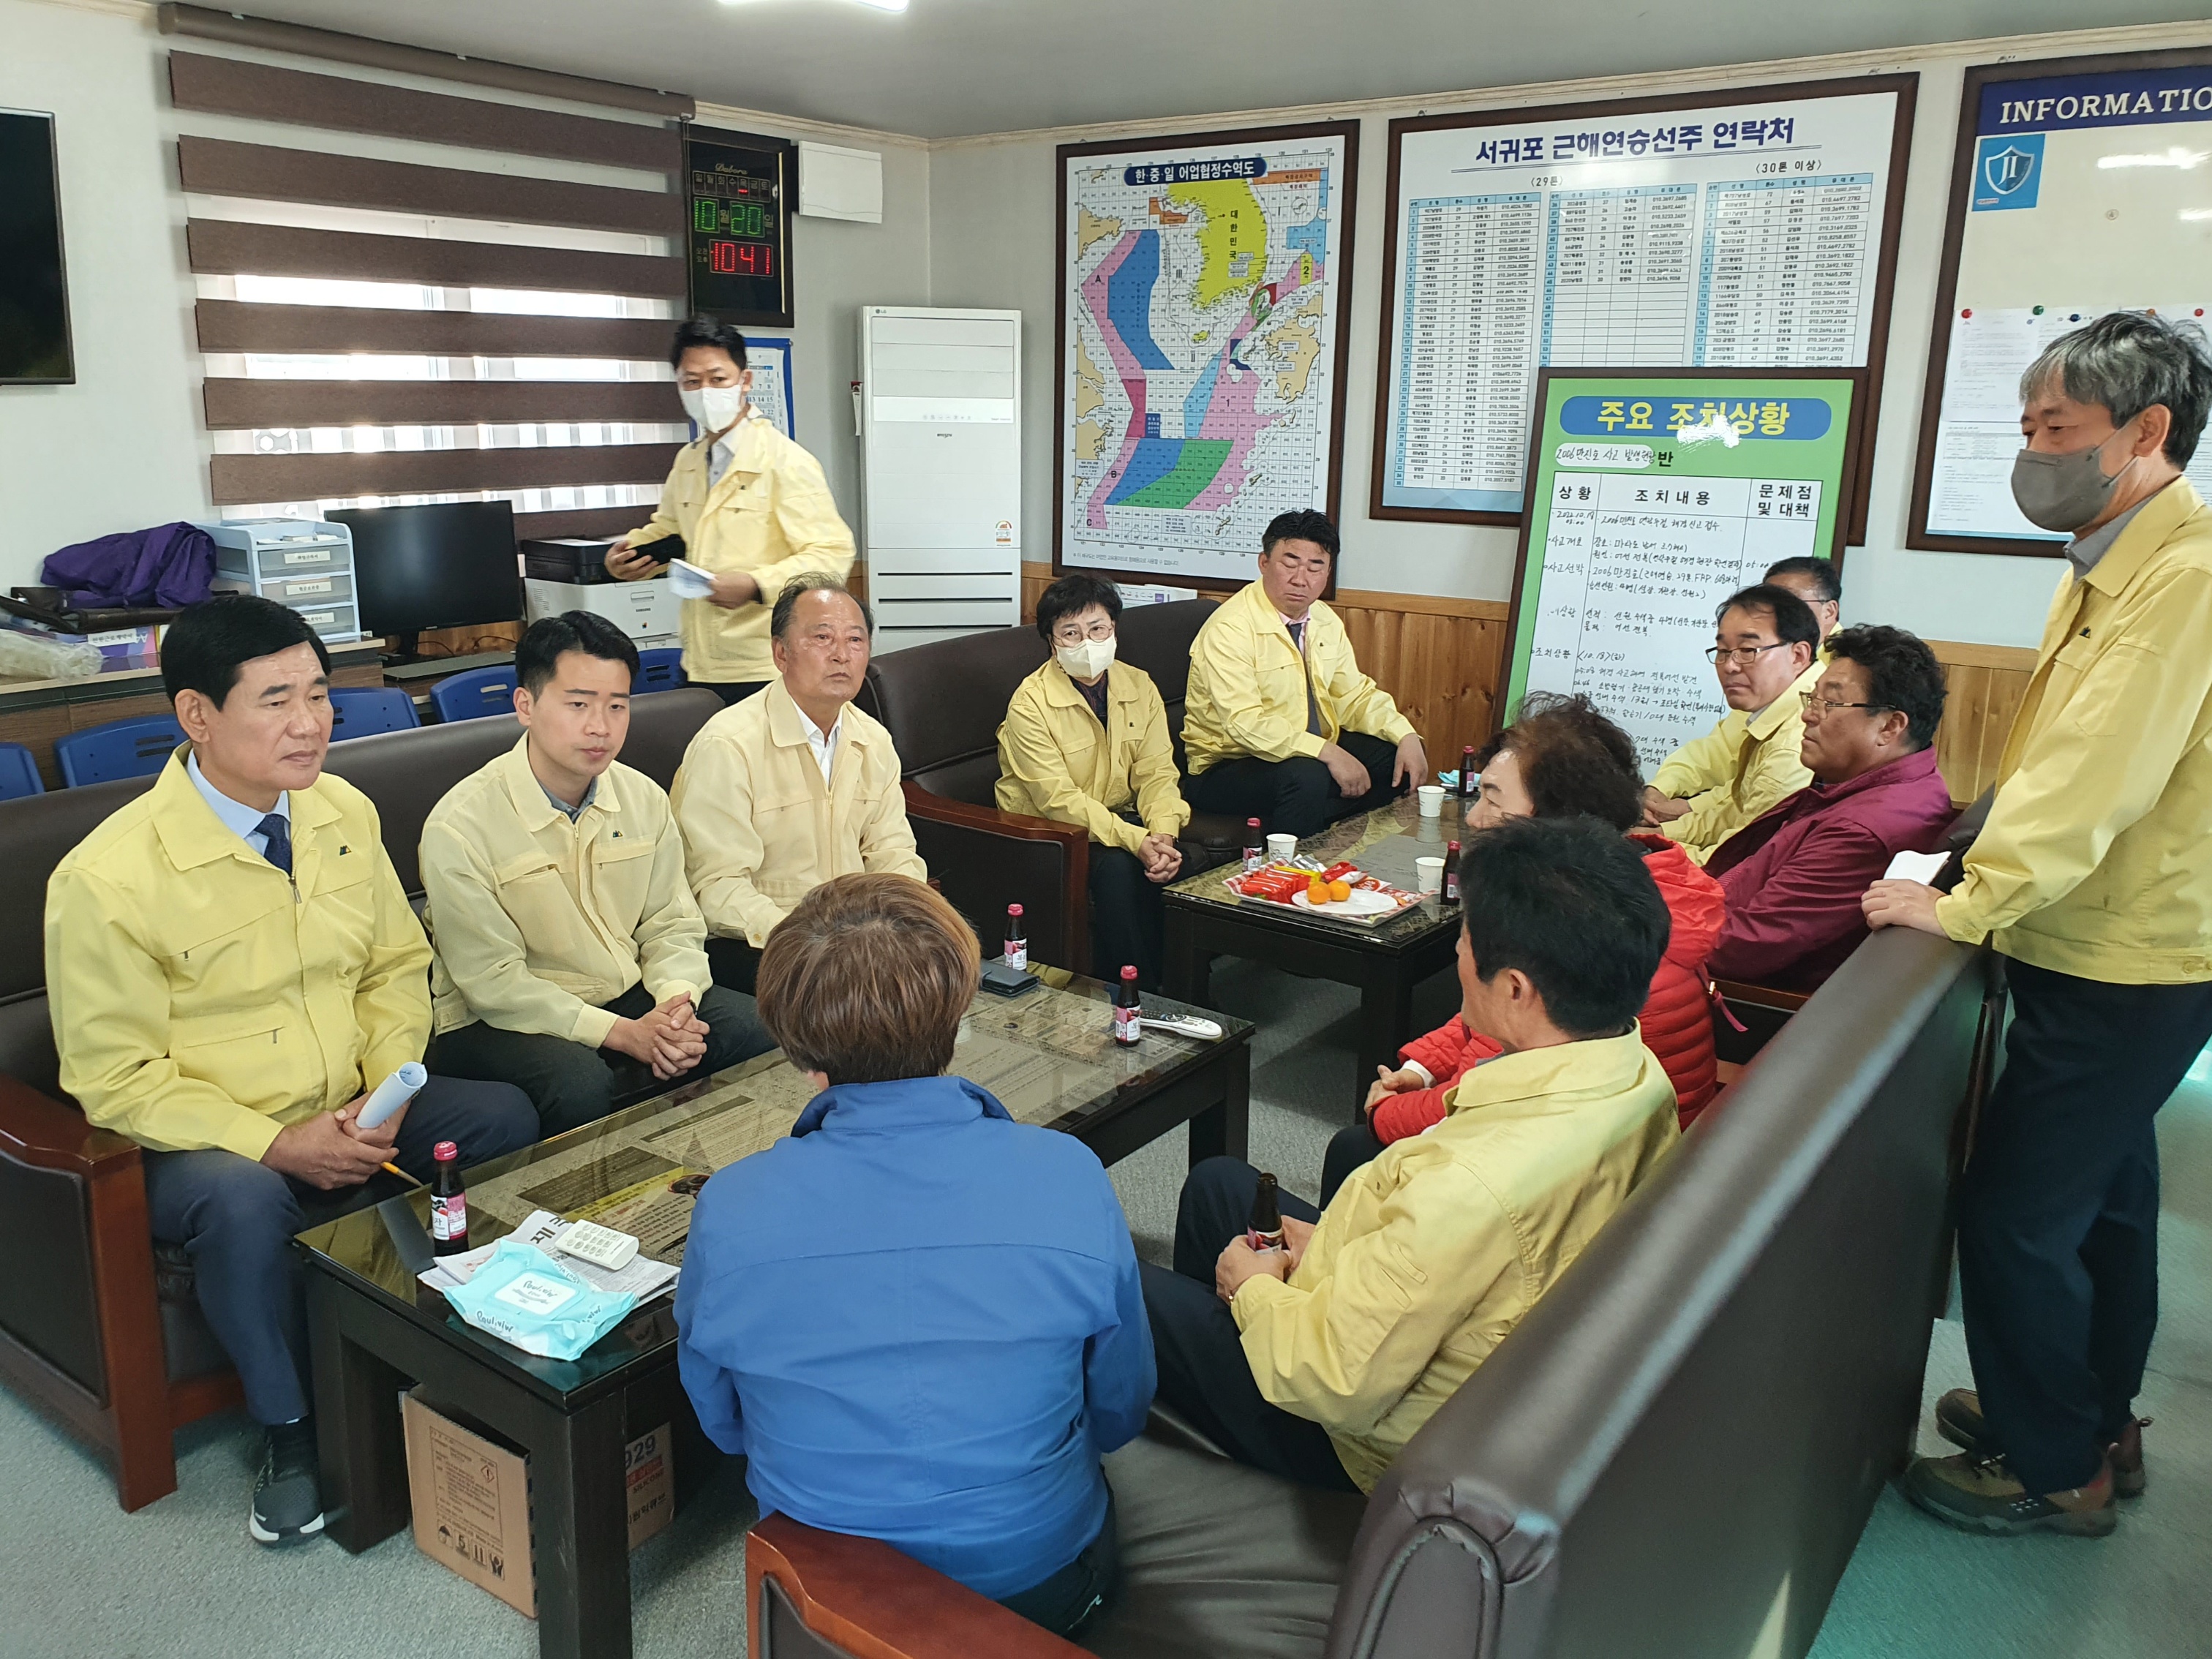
375, 1330
1205, 920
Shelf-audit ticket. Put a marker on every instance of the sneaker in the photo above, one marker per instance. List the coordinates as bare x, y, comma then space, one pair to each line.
287, 1493
1959, 1420
1982, 1494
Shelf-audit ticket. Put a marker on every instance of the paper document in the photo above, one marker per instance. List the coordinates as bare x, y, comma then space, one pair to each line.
1916, 866
688, 581
644, 1278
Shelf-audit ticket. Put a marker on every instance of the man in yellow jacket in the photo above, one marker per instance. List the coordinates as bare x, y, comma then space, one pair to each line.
789, 788
567, 941
751, 507
1278, 722
1318, 1362
1765, 650
1085, 742
230, 966
2092, 877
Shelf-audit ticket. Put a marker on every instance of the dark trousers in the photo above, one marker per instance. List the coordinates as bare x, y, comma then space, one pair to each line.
237, 1218
1128, 918
1064, 1602
2058, 1214
1203, 1372
729, 692
1294, 797
1348, 1148
572, 1086
734, 963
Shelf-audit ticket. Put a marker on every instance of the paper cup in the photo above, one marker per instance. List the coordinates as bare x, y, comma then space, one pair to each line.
1282, 848
1430, 872
1432, 800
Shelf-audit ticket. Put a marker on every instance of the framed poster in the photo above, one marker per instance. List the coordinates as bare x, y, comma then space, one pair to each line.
1754, 228
1200, 340
1654, 495
2078, 188
768, 357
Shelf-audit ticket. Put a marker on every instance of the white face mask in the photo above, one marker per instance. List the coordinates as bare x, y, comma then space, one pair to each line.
714, 407
1086, 661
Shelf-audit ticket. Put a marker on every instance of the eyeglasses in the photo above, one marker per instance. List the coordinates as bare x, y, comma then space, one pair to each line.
1814, 700
1743, 656
1071, 635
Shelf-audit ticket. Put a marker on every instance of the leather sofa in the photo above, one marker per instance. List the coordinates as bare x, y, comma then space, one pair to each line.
98, 1330
943, 704
1674, 1454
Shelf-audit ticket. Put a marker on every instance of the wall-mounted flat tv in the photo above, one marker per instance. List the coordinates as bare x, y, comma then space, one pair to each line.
34, 328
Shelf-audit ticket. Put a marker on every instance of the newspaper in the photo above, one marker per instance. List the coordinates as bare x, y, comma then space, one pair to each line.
642, 1277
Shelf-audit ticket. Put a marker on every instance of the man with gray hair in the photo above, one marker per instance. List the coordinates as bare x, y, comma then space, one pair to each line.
784, 790
2092, 878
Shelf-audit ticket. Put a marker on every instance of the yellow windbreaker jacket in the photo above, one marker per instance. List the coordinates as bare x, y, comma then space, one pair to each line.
1247, 686
760, 831
771, 516
2097, 857
1430, 1253
1055, 761
1741, 769
200, 998
537, 921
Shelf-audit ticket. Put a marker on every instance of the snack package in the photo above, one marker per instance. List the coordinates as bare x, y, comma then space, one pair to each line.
523, 1296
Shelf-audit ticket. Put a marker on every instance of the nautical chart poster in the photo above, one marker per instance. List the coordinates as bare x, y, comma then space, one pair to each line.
1201, 339
1754, 229
2079, 188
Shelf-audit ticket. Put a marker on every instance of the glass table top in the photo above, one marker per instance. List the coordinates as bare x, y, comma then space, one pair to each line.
1049, 1054
1385, 843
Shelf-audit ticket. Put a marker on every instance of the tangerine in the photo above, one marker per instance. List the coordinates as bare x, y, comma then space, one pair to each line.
1339, 891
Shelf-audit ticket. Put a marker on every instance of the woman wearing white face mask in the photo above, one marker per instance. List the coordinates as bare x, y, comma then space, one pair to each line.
752, 510
1086, 742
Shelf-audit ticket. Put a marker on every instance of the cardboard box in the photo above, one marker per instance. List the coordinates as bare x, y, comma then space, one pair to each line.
470, 1493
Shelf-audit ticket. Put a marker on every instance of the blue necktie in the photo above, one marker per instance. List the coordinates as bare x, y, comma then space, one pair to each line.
278, 829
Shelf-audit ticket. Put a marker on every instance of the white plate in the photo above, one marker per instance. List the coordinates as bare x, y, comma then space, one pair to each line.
1364, 902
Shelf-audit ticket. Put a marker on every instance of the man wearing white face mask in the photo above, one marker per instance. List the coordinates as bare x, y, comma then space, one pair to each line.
2092, 878
750, 506
1086, 742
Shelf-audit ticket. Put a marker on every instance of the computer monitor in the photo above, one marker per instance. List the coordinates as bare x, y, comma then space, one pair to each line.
450, 564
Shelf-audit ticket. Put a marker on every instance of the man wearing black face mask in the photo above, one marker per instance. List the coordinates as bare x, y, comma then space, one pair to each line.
2093, 877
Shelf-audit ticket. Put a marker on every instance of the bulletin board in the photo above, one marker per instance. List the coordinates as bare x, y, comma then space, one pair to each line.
1750, 230
768, 357
1654, 495
2081, 185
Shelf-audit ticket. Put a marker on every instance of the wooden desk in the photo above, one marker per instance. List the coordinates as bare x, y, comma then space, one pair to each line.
33, 712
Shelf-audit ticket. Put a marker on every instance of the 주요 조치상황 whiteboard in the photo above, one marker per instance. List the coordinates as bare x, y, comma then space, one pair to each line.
1753, 229
1654, 497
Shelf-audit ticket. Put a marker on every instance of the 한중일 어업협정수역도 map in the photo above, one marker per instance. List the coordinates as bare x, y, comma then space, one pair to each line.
1199, 388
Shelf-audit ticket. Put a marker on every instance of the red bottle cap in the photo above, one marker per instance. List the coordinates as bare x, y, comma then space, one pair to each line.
445, 1151
1451, 847
1128, 973
1251, 823
1013, 909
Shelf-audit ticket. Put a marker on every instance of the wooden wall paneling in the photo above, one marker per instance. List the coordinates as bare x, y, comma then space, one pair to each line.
233, 86
238, 326
219, 167
228, 246
239, 404
1442, 669
1986, 685
431, 471
36, 727
460, 641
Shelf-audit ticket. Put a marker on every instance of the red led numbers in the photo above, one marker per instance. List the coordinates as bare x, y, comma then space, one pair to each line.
741, 259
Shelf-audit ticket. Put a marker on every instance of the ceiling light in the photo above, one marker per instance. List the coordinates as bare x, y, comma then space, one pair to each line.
873, 5
2175, 157
2194, 215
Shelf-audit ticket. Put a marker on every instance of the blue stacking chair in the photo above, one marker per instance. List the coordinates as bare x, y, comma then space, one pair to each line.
364, 710
120, 749
661, 669
18, 772
475, 695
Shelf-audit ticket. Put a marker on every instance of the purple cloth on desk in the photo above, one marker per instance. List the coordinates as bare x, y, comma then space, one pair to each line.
166, 568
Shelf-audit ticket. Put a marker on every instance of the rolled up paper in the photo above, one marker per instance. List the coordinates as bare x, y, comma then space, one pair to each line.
389, 1096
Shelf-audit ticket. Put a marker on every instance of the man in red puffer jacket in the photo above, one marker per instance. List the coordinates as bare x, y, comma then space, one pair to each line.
1563, 759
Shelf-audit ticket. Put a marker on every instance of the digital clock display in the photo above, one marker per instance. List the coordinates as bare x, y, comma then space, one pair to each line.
739, 189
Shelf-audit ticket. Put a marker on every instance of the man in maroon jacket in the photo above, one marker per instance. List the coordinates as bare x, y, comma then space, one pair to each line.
1794, 878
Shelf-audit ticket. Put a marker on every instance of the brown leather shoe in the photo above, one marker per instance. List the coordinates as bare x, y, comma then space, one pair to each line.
1982, 1494
1959, 1420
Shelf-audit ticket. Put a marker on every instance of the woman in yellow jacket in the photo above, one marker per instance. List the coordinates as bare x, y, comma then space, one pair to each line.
750, 507
1085, 742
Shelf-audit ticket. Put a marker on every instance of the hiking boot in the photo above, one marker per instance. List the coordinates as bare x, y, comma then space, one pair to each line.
287, 1493
1982, 1494
1959, 1420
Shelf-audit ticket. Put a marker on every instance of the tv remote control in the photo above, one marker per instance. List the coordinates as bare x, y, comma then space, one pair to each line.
603, 1247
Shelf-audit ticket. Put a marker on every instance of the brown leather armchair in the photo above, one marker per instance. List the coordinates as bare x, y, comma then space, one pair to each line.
1672, 1455
103, 1332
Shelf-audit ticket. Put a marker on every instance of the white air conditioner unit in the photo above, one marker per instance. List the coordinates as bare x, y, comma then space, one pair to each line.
941, 470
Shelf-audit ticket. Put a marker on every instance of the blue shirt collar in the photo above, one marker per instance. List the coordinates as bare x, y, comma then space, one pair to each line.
907, 1103
241, 820
591, 794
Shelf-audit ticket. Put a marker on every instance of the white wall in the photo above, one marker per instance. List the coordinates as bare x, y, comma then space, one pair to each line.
994, 244
125, 447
